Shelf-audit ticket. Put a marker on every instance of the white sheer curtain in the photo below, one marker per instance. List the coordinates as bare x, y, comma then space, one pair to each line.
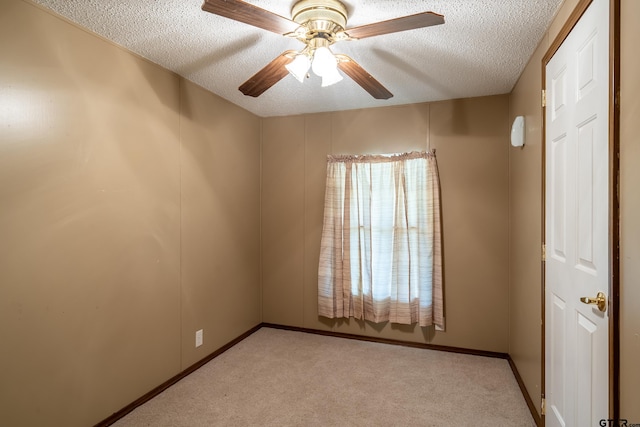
381, 252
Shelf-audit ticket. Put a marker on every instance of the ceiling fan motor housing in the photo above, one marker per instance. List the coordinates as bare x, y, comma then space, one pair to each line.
320, 16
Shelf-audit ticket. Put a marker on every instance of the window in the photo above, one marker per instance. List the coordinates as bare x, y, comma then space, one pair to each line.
380, 254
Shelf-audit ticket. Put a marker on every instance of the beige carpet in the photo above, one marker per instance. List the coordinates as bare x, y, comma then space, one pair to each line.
284, 378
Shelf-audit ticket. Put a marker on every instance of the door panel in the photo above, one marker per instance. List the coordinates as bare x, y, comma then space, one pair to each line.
559, 194
577, 228
585, 196
558, 359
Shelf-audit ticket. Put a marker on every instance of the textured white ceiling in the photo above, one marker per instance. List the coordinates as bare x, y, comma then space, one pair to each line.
480, 50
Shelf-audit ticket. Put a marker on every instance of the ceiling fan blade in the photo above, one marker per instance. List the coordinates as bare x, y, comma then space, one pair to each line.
268, 76
411, 22
250, 14
352, 69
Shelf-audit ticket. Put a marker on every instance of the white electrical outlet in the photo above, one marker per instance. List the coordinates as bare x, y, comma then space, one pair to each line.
199, 338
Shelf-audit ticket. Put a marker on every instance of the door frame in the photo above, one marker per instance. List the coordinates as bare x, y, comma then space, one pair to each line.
614, 195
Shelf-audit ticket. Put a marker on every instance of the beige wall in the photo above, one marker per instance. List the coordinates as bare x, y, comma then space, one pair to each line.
526, 215
630, 214
129, 218
220, 221
525, 231
471, 138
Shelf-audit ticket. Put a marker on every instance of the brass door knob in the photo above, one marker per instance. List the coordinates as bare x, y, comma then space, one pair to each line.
600, 300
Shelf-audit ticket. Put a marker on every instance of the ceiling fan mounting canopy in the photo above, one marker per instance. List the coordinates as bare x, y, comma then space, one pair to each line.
320, 15
322, 23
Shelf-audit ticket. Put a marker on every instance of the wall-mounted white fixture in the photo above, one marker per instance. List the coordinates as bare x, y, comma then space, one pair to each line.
517, 132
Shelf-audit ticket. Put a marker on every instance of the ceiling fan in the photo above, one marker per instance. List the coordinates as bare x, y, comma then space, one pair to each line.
318, 24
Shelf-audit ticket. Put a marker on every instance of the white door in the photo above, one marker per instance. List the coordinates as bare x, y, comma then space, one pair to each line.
577, 224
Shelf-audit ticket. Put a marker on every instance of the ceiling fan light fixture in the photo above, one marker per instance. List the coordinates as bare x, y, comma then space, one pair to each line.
324, 63
331, 78
299, 67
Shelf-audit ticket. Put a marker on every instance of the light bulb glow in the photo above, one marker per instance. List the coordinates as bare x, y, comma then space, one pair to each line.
299, 67
324, 63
